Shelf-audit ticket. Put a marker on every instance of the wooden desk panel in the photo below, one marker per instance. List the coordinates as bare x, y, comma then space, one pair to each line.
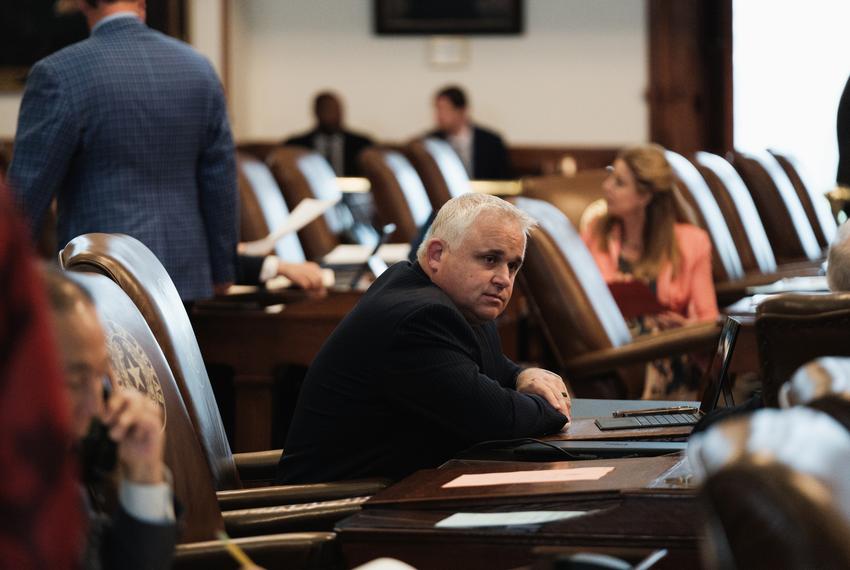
659, 520
255, 342
424, 489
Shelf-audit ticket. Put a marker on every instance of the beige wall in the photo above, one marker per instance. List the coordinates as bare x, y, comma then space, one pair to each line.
577, 75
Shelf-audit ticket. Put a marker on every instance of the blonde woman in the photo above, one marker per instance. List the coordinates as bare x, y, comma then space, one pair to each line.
638, 238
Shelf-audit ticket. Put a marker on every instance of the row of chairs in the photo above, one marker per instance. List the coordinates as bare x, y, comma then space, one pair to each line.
149, 332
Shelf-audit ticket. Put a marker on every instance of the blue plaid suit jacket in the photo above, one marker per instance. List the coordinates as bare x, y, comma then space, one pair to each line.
129, 130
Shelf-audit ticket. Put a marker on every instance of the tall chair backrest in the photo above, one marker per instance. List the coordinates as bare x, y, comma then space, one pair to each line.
816, 206
794, 329
136, 270
570, 194
440, 169
138, 363
779, 207
739, 210
560, 275
262, 208
400, 197
726, 263
302, 173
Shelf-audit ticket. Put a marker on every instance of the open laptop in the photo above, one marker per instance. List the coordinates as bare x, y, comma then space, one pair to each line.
716, 383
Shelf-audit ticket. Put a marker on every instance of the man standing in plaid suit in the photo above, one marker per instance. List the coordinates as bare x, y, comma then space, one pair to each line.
129, 130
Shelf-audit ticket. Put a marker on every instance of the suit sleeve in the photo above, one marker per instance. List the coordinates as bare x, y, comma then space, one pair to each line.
433, 377
132, 544
46, 139
219, 197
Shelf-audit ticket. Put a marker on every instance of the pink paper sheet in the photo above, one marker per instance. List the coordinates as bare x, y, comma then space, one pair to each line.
520, 477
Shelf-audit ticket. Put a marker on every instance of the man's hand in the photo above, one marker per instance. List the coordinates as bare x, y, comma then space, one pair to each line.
306, 275
547, 384
135, 424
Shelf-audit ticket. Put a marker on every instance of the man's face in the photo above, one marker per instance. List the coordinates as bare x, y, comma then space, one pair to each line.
329, 115
85, 360
449, 118
479, 274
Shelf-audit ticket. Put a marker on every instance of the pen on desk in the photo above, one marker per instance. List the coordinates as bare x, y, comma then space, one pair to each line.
644, 412
235, 551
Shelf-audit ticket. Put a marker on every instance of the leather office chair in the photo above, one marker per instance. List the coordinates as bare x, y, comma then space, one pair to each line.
138, 363
816, 206
400, 198
262, 209
440, 169
784, 218
301, 173
570, 194
580, 318
136, 270
794, 329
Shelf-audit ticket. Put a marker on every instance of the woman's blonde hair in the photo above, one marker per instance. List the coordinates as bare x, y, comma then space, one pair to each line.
654, 175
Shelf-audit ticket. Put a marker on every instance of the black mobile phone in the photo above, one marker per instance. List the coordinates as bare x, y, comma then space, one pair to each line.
98, 453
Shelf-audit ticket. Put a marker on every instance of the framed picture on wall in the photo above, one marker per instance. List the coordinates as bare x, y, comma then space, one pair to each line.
33, 29
448, 17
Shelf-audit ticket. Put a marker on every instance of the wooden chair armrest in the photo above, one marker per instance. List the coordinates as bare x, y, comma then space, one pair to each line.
257, 466
293, 494
295, 551
699, 337
321, 516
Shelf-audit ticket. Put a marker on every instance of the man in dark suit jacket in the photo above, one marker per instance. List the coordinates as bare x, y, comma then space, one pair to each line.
141, 531
843, 130
482, 151
415, 373
330, 139
129, 129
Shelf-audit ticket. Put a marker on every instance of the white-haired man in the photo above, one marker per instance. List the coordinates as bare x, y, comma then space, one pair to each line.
415, 373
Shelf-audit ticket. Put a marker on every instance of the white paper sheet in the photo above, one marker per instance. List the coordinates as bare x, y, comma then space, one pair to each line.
520, 477
353, 254
305, 212
473, 520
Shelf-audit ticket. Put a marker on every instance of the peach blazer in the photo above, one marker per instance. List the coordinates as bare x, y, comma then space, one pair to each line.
691, 293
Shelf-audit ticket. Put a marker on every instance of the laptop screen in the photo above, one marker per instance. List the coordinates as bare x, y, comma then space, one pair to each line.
716, 381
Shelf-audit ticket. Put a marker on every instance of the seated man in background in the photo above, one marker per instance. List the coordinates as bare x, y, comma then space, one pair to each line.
482, 151
142, 531
838, 260
415, 373
330, 138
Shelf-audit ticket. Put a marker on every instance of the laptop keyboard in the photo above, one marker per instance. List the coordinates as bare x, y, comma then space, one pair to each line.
650, 421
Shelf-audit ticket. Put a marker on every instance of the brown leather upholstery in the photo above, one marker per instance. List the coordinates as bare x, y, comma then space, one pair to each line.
794, 329
779, 207
400, 197
293, 551
739, 211
571, 195
725, 260
816, 206
136, 357
139, 273
576, 311
262, 208
302, 173
440, 169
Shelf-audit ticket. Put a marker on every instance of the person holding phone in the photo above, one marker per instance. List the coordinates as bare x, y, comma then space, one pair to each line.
115, 430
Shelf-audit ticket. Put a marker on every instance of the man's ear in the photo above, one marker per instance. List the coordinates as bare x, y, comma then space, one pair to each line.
434, 253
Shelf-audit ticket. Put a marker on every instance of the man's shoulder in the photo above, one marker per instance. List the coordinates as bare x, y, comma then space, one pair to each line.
359, 139
484, 134
300, 139
406, 292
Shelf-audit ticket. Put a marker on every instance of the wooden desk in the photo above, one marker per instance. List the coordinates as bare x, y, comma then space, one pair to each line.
254, 342
633, 521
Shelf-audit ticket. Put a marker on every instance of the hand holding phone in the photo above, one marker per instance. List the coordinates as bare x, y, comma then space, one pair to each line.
134, 423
